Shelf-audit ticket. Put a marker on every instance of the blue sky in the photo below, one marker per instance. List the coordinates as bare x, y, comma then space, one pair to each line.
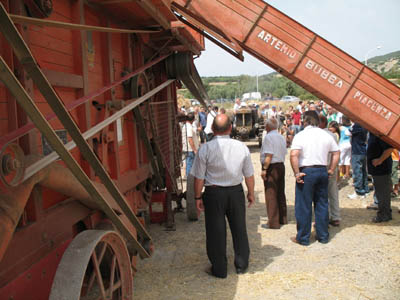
355, 26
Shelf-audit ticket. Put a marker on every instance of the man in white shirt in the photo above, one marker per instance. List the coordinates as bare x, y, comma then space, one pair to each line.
190, 141
236, 106
220, 166
272, 156
300, 105
273, 113
309, 160
210, 119
265, 111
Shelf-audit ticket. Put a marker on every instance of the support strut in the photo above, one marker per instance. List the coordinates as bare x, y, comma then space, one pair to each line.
35, 115
28, 62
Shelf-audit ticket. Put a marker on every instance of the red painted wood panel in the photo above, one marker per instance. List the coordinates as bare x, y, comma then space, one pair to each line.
3, 127
3, 93
3, 110
62, 11
56, 33
42, 39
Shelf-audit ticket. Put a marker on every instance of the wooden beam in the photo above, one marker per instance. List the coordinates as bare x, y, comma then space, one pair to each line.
183, 40
147, 6
41, 22
132, 178
150, 154
115, 2
24, 55
188, 3
204, 25
64, 79
113, 156
29, 143
81, 68
156, 14
238, 55
45, 161
6, 52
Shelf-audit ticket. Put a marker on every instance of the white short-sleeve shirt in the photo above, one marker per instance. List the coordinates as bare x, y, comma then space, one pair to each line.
210, 119
189, 131
222, 161
314, 144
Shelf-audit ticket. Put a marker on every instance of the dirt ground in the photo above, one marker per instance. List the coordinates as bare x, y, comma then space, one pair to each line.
361, 261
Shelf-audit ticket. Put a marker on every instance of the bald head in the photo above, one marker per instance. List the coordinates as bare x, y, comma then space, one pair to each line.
221, 125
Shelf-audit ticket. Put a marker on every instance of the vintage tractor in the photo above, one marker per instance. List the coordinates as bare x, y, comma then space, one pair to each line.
248, 124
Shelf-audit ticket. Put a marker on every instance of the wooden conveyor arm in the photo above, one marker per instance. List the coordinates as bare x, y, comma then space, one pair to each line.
305, 58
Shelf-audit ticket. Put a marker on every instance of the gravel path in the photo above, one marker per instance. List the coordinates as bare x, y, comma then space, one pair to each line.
361, 261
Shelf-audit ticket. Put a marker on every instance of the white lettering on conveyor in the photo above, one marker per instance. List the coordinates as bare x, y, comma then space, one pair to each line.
325, 74
277, 44
372, 105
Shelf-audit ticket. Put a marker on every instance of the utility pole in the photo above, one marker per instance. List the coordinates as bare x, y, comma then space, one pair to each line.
368, 52
257, 82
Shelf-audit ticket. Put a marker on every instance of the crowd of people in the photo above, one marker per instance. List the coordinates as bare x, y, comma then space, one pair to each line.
327, 151
354, 143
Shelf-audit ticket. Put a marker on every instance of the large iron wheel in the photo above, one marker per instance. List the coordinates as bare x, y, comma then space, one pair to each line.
96, 265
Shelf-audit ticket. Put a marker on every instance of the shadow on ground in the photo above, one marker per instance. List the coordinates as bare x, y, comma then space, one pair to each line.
350, 217
180, 260
254, 148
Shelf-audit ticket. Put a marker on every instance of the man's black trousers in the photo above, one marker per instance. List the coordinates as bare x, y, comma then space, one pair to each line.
218, 203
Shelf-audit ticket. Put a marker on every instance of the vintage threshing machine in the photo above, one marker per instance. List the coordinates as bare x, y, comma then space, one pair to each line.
89, 141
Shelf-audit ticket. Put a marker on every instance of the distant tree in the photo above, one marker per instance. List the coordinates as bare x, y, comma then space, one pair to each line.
279, 93
185, 93
392, 74
290, 88
307, 96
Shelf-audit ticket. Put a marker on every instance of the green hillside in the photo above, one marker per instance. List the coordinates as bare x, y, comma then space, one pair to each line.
387, 65
386, 57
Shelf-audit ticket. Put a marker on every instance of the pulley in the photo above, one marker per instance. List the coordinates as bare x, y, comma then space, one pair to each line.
39, 8
139, 85
180, 66
12, 167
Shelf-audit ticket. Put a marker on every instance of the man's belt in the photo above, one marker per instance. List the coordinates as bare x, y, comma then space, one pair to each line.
222, 187
313, 166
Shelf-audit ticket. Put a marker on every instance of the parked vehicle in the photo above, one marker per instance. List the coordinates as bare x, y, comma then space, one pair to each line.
290, 99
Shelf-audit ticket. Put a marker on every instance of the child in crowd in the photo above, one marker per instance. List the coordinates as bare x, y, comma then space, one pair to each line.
345, 148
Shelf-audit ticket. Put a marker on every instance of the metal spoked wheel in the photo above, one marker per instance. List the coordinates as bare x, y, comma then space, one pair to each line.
96, 265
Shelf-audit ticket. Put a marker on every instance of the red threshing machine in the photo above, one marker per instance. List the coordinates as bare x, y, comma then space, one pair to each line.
89, 139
